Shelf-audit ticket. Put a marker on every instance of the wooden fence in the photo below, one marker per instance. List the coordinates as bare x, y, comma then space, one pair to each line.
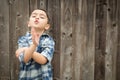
86, 32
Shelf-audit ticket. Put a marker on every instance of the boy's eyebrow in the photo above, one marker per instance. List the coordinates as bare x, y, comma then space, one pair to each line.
34, 13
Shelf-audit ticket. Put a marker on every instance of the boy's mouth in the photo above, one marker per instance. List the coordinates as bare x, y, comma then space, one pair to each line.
36, 21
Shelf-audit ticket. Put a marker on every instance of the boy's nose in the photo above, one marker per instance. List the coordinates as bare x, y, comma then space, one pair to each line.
37, 18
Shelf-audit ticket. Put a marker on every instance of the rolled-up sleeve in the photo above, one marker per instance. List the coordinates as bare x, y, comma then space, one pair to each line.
47, 48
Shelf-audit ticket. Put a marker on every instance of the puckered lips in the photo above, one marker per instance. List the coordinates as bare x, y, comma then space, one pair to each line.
36, 21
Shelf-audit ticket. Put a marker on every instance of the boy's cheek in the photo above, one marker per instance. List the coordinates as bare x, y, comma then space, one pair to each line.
30, 24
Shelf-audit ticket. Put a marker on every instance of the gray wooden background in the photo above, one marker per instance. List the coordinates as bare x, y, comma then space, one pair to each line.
86, 32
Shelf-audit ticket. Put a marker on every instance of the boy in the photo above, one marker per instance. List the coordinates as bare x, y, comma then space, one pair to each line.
36, 50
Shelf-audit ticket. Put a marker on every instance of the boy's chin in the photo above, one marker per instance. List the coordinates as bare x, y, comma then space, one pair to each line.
35, 26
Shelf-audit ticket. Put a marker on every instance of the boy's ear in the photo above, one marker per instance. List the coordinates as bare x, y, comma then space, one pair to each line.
47, 26
28, 24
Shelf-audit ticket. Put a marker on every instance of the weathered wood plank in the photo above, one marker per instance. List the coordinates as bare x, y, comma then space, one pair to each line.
118, 45
32, 5
66, 40
111, 41
101, 22
76, 40
5, 78
86, 39
42, 4
4, 39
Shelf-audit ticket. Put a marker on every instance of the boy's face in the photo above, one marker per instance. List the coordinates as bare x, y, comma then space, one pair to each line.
38, 19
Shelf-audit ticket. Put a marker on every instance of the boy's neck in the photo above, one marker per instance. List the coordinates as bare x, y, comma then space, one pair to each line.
38, 31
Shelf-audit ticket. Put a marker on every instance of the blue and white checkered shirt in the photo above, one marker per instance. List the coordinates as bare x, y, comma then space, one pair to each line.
32, 70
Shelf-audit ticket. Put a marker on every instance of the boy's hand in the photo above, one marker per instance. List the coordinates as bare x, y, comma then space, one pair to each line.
18, 51
35, 38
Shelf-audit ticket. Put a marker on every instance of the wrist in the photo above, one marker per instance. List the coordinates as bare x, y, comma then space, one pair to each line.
24, 48
33, 47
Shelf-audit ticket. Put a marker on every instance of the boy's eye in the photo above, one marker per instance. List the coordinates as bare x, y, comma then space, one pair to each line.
33, 16
42, 17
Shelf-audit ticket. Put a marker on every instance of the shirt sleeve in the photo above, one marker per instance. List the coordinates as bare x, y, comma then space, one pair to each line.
24, 41
47, 46
21, 44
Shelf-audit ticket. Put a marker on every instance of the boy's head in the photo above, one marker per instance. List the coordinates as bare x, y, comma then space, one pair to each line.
39, 19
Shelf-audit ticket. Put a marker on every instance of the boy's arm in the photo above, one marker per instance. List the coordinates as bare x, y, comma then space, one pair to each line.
39, 58
47, 52
29, 52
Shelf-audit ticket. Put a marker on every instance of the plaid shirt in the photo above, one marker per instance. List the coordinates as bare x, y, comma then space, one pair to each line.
32, 70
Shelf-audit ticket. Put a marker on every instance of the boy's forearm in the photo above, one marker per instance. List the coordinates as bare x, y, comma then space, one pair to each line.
39, 58
29, 52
